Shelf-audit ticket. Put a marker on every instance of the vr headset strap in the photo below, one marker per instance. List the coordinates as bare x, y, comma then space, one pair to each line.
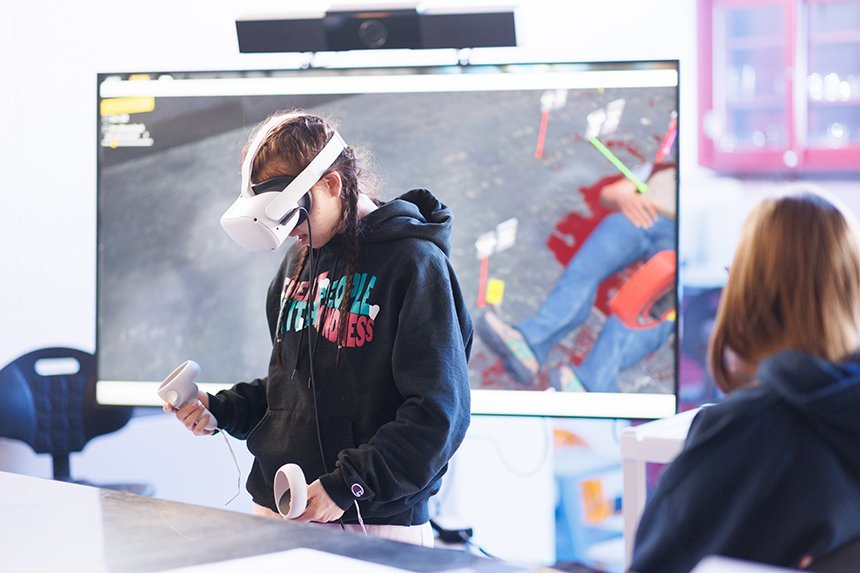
254, 147
289, 197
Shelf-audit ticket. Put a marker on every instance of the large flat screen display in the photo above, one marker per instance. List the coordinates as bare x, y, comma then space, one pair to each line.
562, 178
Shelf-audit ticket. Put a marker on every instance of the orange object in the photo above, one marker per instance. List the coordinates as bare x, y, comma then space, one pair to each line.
482, 282
594, 502
647, 298
544, 120
566, 438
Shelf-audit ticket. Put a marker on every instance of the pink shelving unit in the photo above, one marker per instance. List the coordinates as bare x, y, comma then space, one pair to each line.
779, 85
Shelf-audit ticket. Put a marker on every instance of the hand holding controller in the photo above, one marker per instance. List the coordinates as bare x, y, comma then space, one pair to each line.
291, 491
179, 388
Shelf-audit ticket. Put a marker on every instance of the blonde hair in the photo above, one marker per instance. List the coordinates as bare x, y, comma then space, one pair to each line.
794, 283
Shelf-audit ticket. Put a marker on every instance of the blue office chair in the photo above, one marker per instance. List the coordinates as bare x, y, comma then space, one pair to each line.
48, 401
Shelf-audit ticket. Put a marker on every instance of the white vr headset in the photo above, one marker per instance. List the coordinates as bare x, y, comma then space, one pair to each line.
264, 214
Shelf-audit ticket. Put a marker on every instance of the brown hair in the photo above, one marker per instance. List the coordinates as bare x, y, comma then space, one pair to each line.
287, 150
794, 283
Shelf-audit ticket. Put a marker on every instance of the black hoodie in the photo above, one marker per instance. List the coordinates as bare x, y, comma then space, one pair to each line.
394, 405
772, 474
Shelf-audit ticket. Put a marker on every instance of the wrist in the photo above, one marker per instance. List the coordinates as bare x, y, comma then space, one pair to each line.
218, 408
337, 489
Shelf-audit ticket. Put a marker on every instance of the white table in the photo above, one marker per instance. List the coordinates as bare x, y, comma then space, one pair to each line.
659, 442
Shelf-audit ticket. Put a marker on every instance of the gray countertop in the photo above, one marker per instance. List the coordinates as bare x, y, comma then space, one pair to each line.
59, 527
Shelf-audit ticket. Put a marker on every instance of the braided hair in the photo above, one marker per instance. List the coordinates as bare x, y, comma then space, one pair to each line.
288, 149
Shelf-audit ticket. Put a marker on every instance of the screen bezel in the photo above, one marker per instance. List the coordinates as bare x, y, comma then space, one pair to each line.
484, 401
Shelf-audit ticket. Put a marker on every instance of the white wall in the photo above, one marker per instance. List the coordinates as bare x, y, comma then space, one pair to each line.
50, 52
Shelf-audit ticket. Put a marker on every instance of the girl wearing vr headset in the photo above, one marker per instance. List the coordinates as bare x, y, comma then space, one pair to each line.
367, 387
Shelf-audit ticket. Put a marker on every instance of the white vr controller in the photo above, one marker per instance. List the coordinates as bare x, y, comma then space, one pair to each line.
179, 388
291, 491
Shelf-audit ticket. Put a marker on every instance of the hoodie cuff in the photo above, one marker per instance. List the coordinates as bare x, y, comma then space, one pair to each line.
339, 491
219, 408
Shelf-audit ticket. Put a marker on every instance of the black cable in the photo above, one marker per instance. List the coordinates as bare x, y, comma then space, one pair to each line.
481, 550
312, 285
457, 536
452, 535
308, 324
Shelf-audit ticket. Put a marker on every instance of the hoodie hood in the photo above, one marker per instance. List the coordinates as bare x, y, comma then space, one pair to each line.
415, 214
826, 394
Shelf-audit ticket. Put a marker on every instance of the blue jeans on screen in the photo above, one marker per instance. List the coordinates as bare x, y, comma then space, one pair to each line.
614, 244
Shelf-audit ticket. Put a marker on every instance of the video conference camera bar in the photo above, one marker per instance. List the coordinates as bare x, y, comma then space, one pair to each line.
342, 29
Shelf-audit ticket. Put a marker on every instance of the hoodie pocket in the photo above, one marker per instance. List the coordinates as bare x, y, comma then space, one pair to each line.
284, 436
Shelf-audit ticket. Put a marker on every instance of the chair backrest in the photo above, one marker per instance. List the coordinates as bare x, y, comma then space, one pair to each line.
48, 400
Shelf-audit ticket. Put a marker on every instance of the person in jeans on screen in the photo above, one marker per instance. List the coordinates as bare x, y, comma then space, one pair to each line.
374, 417
642, 226
772, 473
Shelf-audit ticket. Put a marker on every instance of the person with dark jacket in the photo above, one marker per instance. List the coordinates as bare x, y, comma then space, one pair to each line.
367, 387
772, 474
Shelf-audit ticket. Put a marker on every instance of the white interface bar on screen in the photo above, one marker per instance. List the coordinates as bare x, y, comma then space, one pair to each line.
167, 86
525, 403
575, 404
